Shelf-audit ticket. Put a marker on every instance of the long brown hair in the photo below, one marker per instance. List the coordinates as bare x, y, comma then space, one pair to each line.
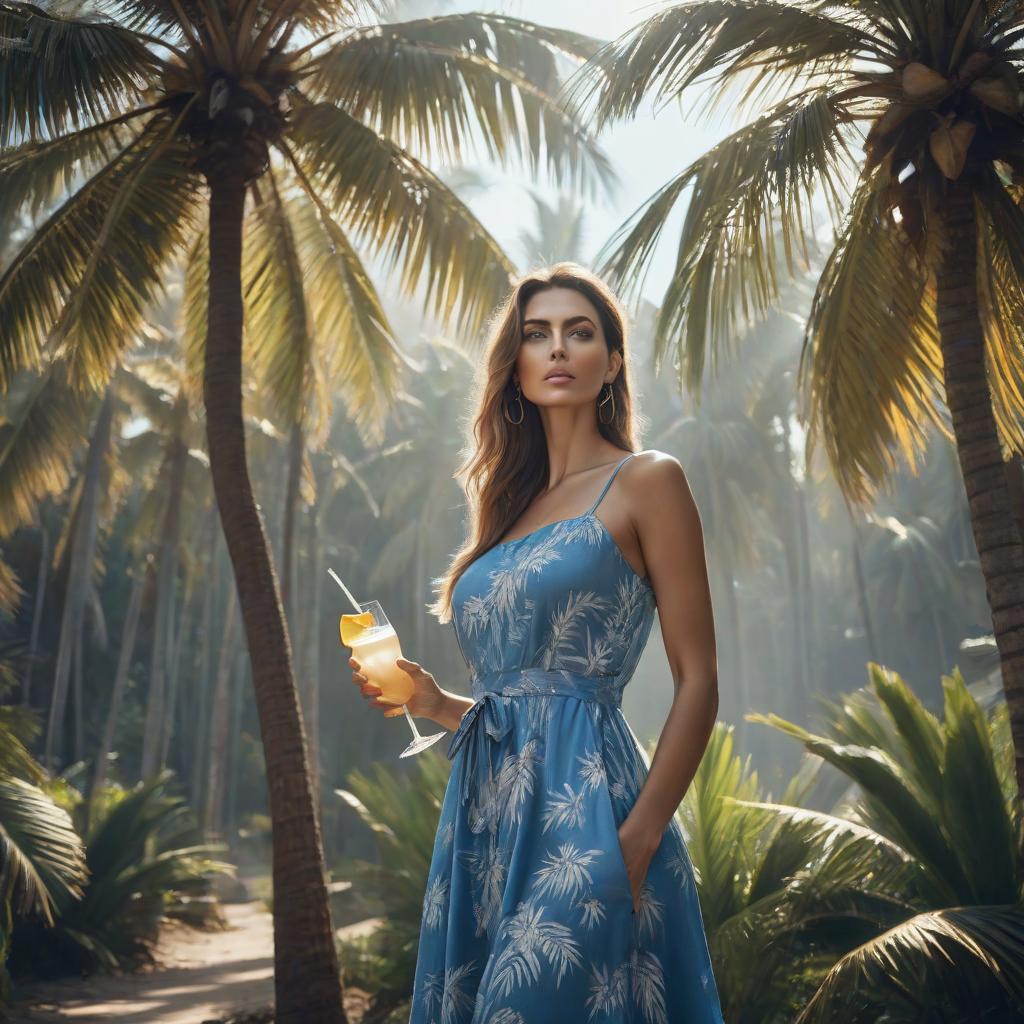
505, 465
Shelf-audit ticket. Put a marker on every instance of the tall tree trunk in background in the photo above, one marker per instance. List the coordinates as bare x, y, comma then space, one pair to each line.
311, 644
166, 584
219, 721
200, 734
307, 981
862, 590
80, 567
124, 663
998, 540
76, 679
733, 632
238, 681
806, 586
42, 575
793, 554
171, 711
296, 450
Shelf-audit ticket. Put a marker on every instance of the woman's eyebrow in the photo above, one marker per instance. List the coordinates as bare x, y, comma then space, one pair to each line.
568, 323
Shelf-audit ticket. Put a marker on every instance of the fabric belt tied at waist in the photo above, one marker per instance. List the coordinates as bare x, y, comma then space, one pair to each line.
491, 716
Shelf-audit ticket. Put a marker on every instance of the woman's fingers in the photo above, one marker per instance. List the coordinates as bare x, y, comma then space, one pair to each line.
371, 690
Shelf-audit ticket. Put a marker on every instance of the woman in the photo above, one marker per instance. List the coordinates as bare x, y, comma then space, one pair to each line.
560, 888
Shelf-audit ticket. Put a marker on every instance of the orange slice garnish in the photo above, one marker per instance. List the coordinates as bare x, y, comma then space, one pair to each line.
352, 626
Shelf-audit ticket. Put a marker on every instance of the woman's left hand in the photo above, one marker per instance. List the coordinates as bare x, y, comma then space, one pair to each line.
639, 843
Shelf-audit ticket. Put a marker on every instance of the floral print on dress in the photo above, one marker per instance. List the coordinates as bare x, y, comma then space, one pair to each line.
528, 917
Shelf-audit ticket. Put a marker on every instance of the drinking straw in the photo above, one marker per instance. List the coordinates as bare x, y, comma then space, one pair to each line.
348, 593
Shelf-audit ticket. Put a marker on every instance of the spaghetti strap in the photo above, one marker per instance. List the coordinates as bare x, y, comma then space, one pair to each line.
604, 490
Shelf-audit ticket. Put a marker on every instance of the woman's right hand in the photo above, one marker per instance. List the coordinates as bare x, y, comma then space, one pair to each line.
426, 701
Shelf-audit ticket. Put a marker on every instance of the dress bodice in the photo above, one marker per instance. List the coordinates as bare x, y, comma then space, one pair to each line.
561, 599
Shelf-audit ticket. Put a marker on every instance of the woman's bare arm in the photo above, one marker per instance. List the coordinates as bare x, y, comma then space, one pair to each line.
450, 713
671, 538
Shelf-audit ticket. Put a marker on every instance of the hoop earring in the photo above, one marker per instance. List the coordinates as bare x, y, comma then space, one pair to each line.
603, 402
522, 411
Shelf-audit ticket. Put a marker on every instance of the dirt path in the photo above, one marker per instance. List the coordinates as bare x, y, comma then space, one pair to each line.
201, 976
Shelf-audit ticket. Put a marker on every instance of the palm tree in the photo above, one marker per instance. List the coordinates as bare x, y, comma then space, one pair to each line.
935, 798
303, 101
906, 116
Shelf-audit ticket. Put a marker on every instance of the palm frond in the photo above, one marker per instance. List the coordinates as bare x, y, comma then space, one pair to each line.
35, 174
718, 834
57, 72
916, 731
11, 594
45, 423
195, 298
152, 220
395, 205
755, 185
926, 949
435, 84
976, 814
279, 330
720, 39
357, 349
42, 858
895, 807
871, 368
144, 15
822, 834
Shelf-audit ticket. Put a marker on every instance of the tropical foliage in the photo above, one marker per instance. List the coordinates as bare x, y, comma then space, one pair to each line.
904, 118
933, 865
146, 862
402, 814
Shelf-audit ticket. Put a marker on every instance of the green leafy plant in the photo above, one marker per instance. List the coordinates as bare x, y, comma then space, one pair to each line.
402, 811
42, 858
146, 862
936, 800
771, 938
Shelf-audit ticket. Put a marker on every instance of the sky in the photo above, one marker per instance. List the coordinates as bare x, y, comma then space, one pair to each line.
645, 152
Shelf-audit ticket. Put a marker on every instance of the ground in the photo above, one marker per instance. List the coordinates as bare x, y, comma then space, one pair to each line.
200, 976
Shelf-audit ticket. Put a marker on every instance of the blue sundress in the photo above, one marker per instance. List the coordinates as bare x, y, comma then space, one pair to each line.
528, 916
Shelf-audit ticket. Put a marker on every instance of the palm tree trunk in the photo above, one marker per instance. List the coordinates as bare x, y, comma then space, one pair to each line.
296, 448
793, 549
733, 628
202, 688
1015, 480
83, 551
124, 661
996, 535
307, 981
37, 614
862, 591
218, 743
238, 680
311, 646
807, 631
76, 680
170, 714
167, 573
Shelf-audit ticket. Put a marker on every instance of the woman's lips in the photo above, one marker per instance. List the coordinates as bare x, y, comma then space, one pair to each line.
560, 379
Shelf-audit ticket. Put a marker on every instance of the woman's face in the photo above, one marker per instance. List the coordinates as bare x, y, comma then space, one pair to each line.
562, 334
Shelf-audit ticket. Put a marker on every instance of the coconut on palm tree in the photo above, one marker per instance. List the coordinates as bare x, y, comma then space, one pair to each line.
905, 118
165, 116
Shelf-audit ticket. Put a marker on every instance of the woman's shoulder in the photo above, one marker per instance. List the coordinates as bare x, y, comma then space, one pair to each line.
653, 476
652, 462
